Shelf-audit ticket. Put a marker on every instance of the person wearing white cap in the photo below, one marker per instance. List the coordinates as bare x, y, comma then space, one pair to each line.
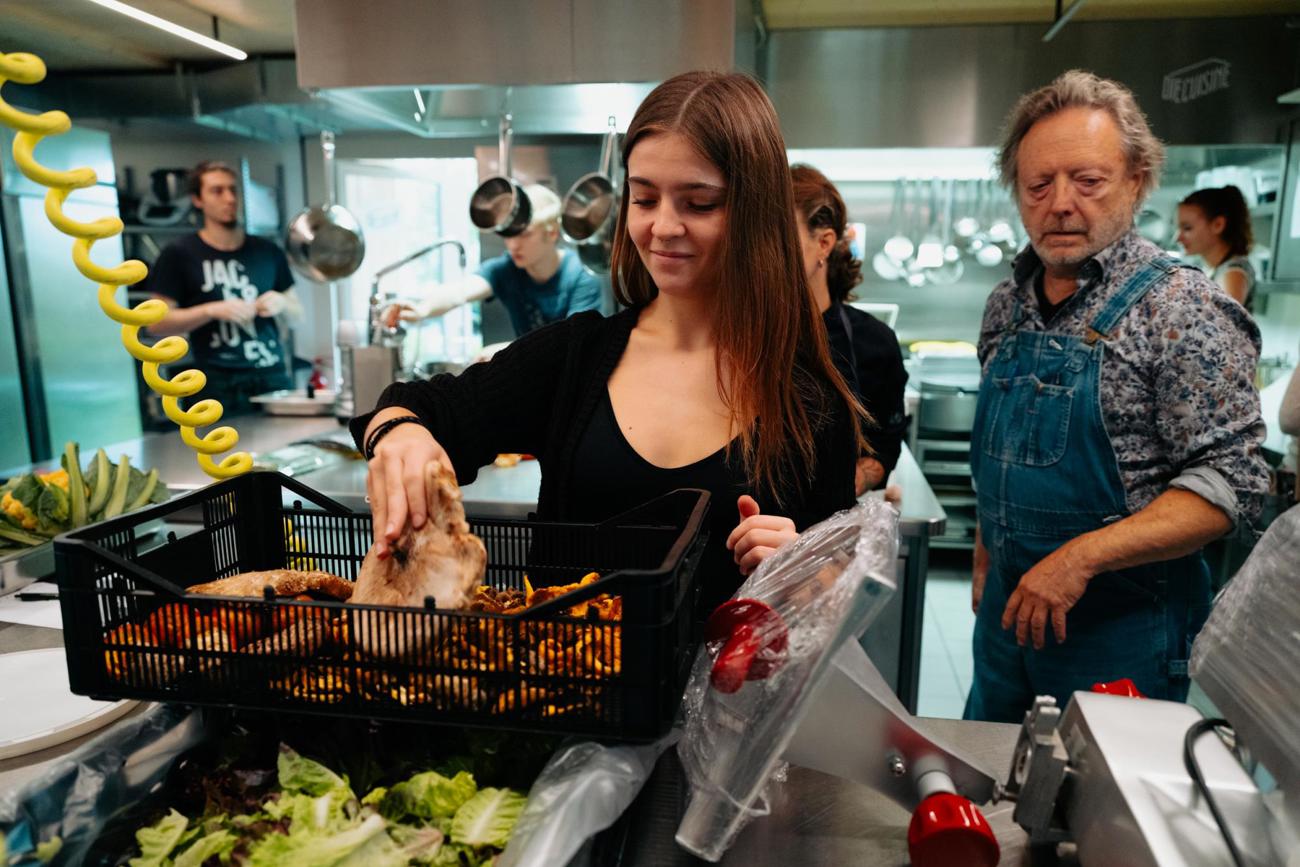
536, 281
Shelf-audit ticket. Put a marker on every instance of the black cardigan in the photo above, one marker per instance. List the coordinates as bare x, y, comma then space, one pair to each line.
879, 377
536, 396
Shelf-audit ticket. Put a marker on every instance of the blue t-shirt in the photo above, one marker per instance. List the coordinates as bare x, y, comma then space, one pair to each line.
531, 305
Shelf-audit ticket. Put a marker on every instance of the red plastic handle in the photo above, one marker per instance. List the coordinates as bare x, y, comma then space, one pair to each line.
1124, 686
755, 639
948, 830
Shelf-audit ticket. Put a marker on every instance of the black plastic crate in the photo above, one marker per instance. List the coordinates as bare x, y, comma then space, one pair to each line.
542, 670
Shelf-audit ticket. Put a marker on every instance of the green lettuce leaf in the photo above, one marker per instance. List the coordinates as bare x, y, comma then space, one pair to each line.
220, 843
53, 509
298, 774
402, 845
488, 818
417, 844
306, 846
159, 839
327, 812
428, 796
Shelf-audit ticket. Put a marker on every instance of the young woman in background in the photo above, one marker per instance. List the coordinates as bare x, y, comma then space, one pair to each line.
1214, 223
865, 349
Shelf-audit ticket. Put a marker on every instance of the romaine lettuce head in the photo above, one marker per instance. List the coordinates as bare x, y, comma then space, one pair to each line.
488, 818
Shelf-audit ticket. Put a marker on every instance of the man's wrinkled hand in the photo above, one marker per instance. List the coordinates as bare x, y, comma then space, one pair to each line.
1047, 592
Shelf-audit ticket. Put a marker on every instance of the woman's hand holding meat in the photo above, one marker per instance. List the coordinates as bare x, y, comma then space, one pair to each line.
395, 483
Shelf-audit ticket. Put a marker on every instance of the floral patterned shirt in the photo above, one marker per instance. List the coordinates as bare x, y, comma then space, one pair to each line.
1177, 382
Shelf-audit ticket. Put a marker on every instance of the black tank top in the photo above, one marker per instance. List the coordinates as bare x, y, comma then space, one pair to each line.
610, 477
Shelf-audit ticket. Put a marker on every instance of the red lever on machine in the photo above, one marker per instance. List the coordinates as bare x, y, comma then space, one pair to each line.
756, 639
1124, 686
948, 830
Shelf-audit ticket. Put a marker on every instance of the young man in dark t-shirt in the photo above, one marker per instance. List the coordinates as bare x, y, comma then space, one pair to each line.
225, 289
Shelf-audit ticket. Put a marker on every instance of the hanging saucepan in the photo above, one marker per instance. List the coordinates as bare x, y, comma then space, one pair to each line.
591, 205
499, 204
325, 242
589, 214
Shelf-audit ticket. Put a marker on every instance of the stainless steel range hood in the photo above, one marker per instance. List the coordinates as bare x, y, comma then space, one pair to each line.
446, 68
428, 43
559, 66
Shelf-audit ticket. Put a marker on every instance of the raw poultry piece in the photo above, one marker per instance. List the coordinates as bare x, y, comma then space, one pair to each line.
442, 559
283, 582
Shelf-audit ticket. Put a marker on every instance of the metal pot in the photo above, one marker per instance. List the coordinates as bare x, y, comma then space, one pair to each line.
595, 256
325, 242
590, 207
499, 204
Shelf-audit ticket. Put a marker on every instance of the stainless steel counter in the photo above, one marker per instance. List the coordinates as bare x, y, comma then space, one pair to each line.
817, 819
498, 492
176, 463
919, 513
511, 492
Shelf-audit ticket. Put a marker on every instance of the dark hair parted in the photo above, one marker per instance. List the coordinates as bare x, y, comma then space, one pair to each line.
773, 366
822, 207
1229, 203
194, 180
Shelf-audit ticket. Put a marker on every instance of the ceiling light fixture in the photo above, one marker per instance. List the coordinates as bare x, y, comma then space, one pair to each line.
173, 28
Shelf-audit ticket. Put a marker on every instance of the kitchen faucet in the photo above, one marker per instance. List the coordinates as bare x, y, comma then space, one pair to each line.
375, 330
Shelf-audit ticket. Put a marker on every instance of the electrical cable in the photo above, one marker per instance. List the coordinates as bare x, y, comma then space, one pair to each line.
1194, 733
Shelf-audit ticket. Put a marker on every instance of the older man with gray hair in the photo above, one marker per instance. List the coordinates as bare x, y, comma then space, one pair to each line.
1118, 429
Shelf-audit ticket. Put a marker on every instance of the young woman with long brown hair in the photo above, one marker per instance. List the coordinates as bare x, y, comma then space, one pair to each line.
716, 376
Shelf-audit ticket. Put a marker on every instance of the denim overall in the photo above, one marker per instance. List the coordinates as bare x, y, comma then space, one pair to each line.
1045, 473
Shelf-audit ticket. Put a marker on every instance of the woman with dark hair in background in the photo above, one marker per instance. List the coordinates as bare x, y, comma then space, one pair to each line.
716, 376
865, 349
1214, 223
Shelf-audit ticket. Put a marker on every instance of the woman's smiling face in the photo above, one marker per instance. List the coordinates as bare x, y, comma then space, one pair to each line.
676, 215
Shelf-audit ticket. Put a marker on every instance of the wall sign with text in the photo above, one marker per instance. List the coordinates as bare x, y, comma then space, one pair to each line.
1193, 82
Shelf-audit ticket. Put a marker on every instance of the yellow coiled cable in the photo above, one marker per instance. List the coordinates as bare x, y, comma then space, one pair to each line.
30, 69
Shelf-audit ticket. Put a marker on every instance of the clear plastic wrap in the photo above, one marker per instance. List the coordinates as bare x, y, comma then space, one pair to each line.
583, 790
77, 796
763, 657
1246, 657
